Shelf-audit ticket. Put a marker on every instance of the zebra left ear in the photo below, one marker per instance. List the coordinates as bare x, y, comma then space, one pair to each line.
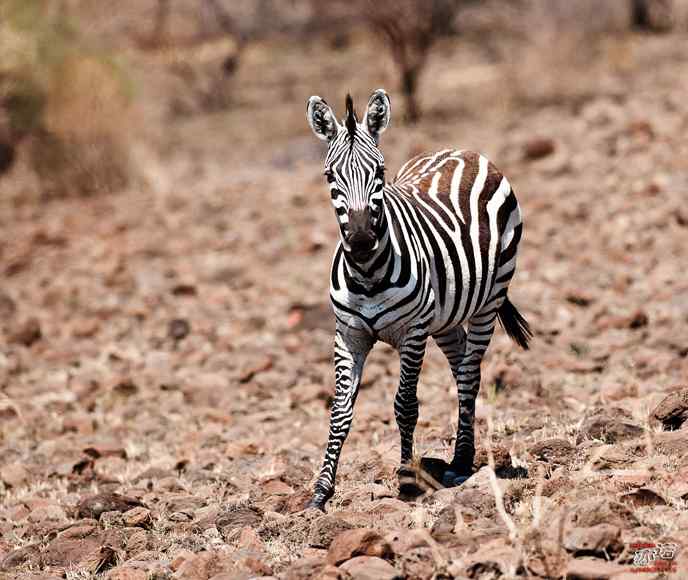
321, 119
377, 114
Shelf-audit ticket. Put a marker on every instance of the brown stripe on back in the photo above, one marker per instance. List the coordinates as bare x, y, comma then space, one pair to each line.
446, 172
494, 178
470, 172
443, 207
410, 170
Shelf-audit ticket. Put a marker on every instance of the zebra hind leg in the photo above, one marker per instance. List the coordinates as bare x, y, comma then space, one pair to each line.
465, 355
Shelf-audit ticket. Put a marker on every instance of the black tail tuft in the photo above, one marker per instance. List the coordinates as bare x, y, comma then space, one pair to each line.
514, 324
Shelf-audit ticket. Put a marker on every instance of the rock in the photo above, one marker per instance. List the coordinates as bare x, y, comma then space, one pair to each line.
85, 328
194, 567
672, 443
608, 429
238, 516
580, 297
8, 307
111, 519
596, 540
80, 530
360, 542
490, 561
330, 572
369, 568
277, 487
445, 522
475, 494
93, 506
180, 557
178, 329
643, 497
500, 454
137, 542
305, 569
592, 569
79, 545
27, 333
418, 563
538, 148
152, 474
252, 368
553, 486
126, 573
587, 513
617, 392
324, 529
672, 411
30, 553
14, 475
138, 517
403, 540
50, 512
249, 539
207, 564
548, 560
391, 512
40, 576
554, 451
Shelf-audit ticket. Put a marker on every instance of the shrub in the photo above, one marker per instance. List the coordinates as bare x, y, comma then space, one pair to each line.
69, 102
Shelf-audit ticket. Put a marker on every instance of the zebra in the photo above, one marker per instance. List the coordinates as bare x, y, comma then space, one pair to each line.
424, 256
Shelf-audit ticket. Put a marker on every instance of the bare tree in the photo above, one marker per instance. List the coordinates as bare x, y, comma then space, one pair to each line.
409, 28
162, 16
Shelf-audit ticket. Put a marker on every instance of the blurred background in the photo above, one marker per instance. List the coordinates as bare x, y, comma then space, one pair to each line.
84, 92
166, 236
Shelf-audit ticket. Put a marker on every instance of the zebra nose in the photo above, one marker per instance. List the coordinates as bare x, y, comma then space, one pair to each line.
361, 242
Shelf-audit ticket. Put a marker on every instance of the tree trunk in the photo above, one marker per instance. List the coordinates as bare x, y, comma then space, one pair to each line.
162, 15
651, 15
409, 86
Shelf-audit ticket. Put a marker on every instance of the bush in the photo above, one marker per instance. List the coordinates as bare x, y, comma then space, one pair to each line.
70, 103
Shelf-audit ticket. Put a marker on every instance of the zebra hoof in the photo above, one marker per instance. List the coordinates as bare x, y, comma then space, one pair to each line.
444, 473
317, 504
319, 499
453, 479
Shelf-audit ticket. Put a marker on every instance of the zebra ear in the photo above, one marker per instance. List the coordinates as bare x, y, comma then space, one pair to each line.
321, 119
377, 114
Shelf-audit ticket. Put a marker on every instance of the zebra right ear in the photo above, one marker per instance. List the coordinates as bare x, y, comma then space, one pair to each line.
377, 114
321, 119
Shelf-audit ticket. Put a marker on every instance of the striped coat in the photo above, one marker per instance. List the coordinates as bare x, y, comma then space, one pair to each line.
429, 255
469, 226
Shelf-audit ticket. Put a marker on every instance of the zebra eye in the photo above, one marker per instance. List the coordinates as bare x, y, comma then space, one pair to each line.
329, 175
375, 209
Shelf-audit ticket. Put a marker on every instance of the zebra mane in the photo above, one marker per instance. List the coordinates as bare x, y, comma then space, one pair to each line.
351, 119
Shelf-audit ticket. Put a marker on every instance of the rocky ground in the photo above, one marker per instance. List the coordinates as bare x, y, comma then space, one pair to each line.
165, 357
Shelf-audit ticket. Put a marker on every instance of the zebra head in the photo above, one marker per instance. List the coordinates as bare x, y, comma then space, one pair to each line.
355, 169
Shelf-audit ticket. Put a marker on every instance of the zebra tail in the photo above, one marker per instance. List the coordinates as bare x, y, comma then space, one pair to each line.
514, 324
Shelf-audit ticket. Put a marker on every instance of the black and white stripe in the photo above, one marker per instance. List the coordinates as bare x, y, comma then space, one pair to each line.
446, 232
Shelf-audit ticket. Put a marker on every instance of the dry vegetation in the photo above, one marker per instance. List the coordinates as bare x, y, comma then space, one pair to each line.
165, 349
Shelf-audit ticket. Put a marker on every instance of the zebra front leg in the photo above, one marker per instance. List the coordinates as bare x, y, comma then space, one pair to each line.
411, 352
350, 352
465, 353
